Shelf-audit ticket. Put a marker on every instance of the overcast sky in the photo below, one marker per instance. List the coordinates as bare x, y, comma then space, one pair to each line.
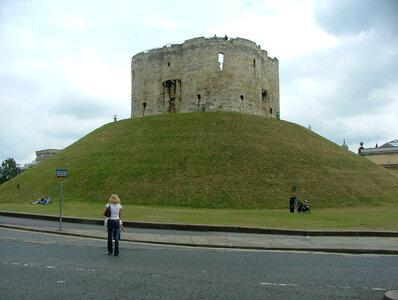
65, 64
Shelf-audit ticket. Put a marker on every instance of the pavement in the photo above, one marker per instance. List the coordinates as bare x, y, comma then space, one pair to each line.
230, 237
354, 242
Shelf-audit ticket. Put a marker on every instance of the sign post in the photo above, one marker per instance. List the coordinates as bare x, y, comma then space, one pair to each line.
61, 174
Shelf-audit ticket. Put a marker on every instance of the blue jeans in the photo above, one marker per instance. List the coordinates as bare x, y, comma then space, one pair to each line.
113, 234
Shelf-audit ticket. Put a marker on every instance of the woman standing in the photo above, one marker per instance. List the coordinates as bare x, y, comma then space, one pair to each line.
113, 225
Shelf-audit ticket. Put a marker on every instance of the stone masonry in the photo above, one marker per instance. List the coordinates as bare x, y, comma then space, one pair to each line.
205, 74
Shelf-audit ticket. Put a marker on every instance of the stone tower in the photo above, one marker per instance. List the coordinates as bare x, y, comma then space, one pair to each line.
205, 74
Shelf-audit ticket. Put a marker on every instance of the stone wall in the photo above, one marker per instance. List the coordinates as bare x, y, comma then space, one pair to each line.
205, 74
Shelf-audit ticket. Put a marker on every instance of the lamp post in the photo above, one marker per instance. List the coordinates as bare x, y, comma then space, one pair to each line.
61, 175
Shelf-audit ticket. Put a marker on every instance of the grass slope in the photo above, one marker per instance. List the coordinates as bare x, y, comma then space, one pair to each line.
208, 160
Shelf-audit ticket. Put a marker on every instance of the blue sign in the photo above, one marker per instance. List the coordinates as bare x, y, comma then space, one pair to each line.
61, 173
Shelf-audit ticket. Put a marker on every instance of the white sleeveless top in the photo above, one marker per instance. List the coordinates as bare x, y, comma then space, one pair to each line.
115, 209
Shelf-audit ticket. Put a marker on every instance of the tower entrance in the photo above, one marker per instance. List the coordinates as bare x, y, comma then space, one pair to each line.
172, 95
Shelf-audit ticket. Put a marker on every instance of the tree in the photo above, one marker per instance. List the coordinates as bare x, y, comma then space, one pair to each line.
8, 170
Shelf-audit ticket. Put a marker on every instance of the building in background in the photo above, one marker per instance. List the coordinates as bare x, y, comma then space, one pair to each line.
345, 146
386, 155
44, 154
40, 156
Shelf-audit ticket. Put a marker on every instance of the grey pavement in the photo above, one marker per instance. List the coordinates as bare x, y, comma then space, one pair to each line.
340, 242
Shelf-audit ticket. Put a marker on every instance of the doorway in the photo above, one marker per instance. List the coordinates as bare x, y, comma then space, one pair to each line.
172, 95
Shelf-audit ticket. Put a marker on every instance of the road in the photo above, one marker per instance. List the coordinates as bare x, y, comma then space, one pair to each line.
45, 266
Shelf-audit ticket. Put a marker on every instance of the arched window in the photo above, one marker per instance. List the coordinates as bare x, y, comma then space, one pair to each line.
254, 63
143, 110
221, 60
264, 95
199, 97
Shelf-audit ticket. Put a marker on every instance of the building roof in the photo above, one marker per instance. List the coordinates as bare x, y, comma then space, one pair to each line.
345, 146
390, 147
393, 143
47, 151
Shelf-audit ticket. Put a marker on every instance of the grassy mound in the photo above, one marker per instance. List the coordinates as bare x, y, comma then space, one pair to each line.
207, 160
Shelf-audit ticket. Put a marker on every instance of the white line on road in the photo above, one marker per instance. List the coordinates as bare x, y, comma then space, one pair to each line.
327, 286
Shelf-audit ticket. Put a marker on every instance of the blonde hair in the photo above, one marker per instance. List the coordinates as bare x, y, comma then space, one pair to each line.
114, 199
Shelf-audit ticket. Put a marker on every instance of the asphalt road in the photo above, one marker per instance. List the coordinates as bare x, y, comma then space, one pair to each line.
43, 266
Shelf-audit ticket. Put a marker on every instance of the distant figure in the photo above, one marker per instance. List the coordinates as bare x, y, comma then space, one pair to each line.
226, 38
113, 225
292, 203
43, 200
360, 147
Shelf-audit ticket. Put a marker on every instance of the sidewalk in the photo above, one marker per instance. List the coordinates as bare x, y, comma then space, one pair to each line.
226, 237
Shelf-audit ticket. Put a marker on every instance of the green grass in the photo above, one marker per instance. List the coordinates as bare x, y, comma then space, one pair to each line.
360, 218
208, 160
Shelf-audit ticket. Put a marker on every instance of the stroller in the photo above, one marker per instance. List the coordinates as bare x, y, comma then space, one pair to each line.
303, 208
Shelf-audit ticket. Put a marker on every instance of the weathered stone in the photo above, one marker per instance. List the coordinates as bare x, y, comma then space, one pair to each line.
205, 74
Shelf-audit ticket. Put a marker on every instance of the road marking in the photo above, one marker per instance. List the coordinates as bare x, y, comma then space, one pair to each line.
326, 286
378, 289
47, 267
279, 284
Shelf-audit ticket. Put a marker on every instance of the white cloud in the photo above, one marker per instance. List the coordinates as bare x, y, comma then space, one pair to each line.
286, 29
159, 23
73, 23
93, 75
